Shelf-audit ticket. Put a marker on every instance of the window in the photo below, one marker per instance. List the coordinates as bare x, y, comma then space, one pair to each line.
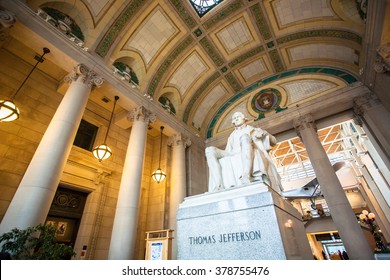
204, 6
85, 136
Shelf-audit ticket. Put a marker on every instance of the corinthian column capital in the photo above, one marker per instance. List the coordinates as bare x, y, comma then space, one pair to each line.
7, 19
84, 74
303, 122
382, 63
141, 114
179, 139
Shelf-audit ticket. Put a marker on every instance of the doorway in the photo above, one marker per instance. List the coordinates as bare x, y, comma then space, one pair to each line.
65, 213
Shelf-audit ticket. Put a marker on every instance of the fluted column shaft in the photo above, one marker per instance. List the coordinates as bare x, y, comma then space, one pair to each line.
124, 232
178, 182
34, 196
342, 214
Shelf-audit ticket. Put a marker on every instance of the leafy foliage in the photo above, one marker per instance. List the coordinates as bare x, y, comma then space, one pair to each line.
35, 243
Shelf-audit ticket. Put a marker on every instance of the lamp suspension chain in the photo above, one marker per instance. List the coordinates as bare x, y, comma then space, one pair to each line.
112, 114
159, 158
39, 60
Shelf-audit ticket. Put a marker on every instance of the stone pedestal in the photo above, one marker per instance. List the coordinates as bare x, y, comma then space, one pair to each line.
243, 223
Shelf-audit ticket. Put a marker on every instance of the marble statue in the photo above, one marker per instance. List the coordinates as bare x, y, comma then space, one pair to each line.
245, 158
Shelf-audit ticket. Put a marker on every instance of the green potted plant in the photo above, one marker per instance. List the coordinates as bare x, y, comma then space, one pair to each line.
34, 243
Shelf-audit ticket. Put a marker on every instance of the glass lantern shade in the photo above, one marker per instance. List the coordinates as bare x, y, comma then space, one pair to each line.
371, 216
158, 175
8, 111
102, 152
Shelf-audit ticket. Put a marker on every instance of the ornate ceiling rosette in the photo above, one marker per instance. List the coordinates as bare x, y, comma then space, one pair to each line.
266, 100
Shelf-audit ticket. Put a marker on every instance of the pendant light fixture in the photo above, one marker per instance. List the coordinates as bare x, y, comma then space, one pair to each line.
103, 152
159, 175
8, 110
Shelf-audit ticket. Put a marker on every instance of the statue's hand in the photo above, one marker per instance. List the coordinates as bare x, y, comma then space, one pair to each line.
258, 133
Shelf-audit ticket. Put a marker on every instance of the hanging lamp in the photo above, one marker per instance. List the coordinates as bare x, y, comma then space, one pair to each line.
103, 152
159, 175
8, 109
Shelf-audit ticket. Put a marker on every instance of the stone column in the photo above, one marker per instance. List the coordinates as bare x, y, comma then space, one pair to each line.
342, 214
178, 182
124, 232
34, 196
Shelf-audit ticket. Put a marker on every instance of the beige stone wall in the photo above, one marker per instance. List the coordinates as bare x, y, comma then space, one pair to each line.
37, 101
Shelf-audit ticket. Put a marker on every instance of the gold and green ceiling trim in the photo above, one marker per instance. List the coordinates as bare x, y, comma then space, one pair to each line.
223, 14
276, 60
246, 56
212, 51
167, 63
105, 44
234, 83
327, 33
347, 77
261, 22
184, 14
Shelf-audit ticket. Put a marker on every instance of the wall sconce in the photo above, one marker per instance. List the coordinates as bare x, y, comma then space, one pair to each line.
103, 152
8, 110
159, 175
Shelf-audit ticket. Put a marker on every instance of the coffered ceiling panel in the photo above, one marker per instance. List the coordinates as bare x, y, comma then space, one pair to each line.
321, 51
98, 7
254, 70
235, 37
152, 35
192, 68
293, 11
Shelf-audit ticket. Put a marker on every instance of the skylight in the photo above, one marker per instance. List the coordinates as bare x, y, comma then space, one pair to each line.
204, 6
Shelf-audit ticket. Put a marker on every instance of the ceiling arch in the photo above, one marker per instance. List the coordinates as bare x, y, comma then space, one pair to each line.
207, 65
296, 74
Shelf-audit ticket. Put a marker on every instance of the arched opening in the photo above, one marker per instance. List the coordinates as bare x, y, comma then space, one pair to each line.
126, 72
63, 22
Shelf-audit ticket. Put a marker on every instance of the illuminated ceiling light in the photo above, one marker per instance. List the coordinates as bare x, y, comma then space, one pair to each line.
8, 109
103, 152
159, 175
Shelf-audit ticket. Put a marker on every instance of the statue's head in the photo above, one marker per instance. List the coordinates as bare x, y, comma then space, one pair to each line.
238, 119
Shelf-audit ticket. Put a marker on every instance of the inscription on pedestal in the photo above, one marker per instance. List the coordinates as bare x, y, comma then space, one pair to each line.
225, 237
247, 223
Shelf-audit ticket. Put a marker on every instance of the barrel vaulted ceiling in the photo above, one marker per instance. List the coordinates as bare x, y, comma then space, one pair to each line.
260, 57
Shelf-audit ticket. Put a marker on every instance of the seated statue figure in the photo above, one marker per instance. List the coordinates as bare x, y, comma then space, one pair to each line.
245, 158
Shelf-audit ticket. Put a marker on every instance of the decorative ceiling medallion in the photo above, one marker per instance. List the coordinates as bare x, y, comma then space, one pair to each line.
266, 100
204, 6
